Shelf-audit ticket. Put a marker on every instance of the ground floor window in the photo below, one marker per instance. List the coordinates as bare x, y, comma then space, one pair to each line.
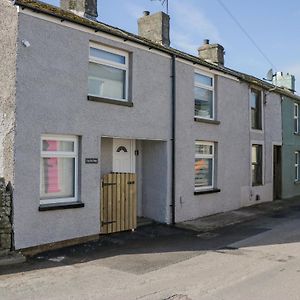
297, 173
58, 169
204, 165
257, 164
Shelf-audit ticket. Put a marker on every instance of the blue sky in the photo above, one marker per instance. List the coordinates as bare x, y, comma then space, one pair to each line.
273, 24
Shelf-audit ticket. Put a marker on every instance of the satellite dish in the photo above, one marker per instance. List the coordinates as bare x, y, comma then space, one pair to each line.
269, 75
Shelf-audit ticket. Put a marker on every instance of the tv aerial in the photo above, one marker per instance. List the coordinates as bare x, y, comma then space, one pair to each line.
269, 75
163, 3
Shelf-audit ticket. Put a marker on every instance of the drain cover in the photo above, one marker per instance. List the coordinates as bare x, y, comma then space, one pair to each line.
178, 297
295, 207
207, 235
278, 215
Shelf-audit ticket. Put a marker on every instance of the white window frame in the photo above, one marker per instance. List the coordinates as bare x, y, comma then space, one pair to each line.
210, 156
62, 154
207, 87
261, 109
112, 64
297, 165
296, 117
259, 143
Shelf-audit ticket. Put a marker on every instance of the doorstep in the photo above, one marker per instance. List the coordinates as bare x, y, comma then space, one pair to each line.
216, 221
12, 258
244, 214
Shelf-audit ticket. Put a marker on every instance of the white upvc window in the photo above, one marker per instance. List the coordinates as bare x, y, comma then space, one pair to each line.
256, 109
108, 73
204, 96
58, 169
204, 165
297, 165
296, 118
257, 164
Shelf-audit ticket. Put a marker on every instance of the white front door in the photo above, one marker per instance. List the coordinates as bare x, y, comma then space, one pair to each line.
123, 156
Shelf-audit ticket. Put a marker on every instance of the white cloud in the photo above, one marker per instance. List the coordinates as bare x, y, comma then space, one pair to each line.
191, 26
181, 41
293, 69
134, 11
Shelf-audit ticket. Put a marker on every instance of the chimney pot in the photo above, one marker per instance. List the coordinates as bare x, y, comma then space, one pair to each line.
206, 42
146, 13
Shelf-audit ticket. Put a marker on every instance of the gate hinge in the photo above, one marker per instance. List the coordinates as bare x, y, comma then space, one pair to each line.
108, 183
106, 223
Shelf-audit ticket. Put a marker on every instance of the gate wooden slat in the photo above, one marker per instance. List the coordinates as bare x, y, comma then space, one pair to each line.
114, 203
122, 195
101, 205
129, 201
133, 202
109, 204
125, 202
104, 205
118, 215
113, 199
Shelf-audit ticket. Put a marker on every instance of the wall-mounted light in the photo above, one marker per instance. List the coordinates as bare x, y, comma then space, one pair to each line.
25, 43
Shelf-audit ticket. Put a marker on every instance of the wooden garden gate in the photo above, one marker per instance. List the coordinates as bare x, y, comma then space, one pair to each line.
118, 202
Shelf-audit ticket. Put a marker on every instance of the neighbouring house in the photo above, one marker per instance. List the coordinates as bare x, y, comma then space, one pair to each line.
289, 158
100, 126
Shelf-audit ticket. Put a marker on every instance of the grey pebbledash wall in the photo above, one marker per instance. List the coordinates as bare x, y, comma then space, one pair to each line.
5, 218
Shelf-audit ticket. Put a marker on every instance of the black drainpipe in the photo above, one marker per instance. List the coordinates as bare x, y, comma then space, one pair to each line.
173, 76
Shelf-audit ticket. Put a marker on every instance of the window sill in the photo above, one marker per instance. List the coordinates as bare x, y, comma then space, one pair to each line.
297, 182
109, 101
210, 191
297, 133
208, 121
56, 206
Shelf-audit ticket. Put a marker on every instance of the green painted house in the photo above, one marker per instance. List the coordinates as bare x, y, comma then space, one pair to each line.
287, 159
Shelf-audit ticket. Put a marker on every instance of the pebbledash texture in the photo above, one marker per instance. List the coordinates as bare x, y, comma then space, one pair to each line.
5, 218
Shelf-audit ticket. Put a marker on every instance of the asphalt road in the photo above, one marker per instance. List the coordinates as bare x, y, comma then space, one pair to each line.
255, 260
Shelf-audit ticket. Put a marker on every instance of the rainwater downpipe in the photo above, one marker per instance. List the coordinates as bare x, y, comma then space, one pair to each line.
173, 84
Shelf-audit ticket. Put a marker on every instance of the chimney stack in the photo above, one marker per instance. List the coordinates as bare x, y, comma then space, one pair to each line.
82, 8
213, 53
155, 27
284, 81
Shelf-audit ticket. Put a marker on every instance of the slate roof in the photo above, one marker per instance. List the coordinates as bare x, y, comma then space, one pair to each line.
62, 14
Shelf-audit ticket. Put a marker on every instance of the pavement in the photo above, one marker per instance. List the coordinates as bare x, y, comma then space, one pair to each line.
256, 257
205, 226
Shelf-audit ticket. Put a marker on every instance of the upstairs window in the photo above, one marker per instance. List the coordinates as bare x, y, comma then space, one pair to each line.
204, 96
108, 73
296, 118
256, 110
257, 165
